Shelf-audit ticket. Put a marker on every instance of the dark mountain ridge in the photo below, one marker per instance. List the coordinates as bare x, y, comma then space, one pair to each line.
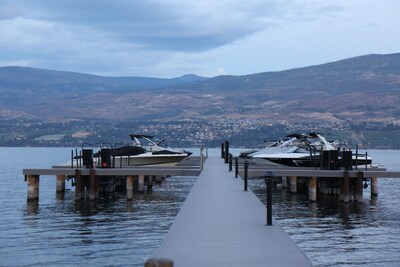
356, 89
23, 77
354, 72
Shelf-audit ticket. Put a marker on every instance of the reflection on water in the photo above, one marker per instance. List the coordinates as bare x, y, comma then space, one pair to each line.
111, 231
59, 231
332, 233
103, 232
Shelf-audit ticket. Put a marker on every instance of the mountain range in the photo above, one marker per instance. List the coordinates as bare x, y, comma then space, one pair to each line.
364, 88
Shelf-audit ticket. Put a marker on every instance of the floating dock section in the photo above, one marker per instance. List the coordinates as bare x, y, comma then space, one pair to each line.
220, 224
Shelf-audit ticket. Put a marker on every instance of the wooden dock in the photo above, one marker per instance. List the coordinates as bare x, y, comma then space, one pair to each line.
87, 179
348, 184
220, 224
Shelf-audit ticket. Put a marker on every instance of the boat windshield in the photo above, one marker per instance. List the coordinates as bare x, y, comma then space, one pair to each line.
296, 149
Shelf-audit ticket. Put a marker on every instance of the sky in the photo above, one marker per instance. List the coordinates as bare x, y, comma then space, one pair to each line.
170, 38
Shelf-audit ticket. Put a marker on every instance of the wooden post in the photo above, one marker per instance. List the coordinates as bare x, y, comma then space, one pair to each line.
312, 189
293, 184
33, 188
129, 187
141, 183
374, 186
226, 150
284, 181
93, 190
158, 179
149, 183
345, 188
60, 183
79, 186
358, 191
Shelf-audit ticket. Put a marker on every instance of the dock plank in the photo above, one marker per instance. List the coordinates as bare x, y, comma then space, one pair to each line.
222, 225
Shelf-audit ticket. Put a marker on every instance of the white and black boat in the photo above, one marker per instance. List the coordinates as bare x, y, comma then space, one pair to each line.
143, 151
305, 150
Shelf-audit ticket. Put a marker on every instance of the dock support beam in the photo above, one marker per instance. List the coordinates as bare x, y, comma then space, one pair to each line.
312, 189
358, 190
79, 186
93, 187
33, 188
149, 183
129, 187
284, 181
374, 186
141, 183
345, 188
60, 183
293, 184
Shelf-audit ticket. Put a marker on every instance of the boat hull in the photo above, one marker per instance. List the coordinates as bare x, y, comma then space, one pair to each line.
140, 160
306, 161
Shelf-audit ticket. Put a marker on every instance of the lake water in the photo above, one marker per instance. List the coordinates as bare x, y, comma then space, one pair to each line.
114, 232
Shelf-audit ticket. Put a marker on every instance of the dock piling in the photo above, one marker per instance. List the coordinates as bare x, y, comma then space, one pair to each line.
293, 184
141, 183
33, 188
374, 186
129, 187
312, 189
93, 185
79, 186
358, 190
284, 181
345, 188
149, 182
60, 183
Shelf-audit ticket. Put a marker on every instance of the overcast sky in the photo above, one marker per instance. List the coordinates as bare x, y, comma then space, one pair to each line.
169, 38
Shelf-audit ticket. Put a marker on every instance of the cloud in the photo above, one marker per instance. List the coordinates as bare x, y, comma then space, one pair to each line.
167, 25
172, 37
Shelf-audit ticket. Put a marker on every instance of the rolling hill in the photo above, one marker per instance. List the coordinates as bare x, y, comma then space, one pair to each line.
362, 88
